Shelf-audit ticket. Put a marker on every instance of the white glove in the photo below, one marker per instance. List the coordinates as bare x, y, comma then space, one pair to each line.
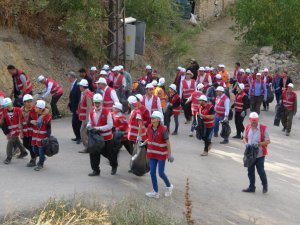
89, 127
138, 139
170, 159
141, 144
225, 119
243, 114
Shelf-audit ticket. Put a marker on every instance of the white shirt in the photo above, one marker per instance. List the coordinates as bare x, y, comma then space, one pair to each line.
123, 81
48, 90
113, 95
189, 83
97, 114
148, 104
201, 78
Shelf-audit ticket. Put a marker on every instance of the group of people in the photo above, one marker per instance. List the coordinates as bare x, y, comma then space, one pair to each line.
100, 99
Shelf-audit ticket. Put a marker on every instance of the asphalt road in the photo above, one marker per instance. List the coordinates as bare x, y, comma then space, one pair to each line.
215, 181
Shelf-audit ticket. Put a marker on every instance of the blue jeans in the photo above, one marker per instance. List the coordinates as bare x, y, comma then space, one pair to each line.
39, 151
217, 123
194, 123
176, 120
161, 173
260, 167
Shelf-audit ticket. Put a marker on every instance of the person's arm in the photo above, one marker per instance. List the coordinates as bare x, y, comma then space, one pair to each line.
250, 90
89, 123
265, 92
266, 140
189, 99
48, 90
211, 114
89, 106
227, 107
180, 89
23, 80
245, 99
124, 82
209, 80
114, 96
169, 147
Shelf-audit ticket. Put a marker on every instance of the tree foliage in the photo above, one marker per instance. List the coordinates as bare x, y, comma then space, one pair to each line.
269, 22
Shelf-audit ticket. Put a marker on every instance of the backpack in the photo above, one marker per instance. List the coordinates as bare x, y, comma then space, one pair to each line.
250, 154
51, 146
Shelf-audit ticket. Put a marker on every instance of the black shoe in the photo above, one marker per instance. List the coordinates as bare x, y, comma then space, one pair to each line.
265, 189
22, 155
94, 173
224, 142
249, 190
237, 137
78, 141
113, 170
74, 139
216, 135
31, 163
7, 161
283, 129
130, 171
83, 151
174, 133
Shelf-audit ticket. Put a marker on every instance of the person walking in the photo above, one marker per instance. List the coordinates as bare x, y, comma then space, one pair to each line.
128, 78
225, 75
150, 101
257, 93
158, 151
144, 111
109, 94
187, 87
285, 81
83, 75
257, 134
289, 101
204, 78
276, 85
160, 92
268, 81
175, 107
180, 76
53, 88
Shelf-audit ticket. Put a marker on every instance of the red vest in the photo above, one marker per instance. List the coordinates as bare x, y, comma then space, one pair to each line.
156, 145
82, 107
246, 83
262, 129
102, 121
56, 88
118, 81
154, 106
187, 91
173, 99
288, 102
38, 134
20, 84
27, 126
221, 83
133, 126
208, 123
204, 82
120, 124
262, 83
220, 106
107, 100
195, 103
238, 104
14, 122
145, 115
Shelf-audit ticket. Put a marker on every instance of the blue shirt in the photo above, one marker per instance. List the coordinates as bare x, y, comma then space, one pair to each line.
257, 89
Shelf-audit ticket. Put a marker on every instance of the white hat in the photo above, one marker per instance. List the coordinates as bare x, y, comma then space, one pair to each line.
200, 86
121, 67
258, 74
148, 67
40, 78
116, 68
118, 105
27, 97
182, 70
253, 115
218, 76
211, 68
189, 73
242, 71
266, 70
103, 72
173, 87
132, 100
161, 81
93, 68
84, 83
248, 70
105, 67
201, 68
143, 82
220, 88
291, 85
202, 98
101, 81
154, 83
207, 68
222, 66
40, 104
139, 97
97, 98
179, 68
241, 86
150, 86
157, 114
6, 102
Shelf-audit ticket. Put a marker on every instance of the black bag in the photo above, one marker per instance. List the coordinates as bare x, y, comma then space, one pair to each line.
270, 95
139, 163
226, 129
122, 98
200, 128
247, 103
279, 113
51, 146
95, 141
230, 116
250, 154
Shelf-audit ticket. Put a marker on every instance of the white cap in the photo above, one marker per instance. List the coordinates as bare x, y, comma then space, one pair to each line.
241, 86
27, 97
200, 86
101, 81
207, 68
84, 83
93, 68
97, 98
182, 70
201, 68
253, 115
116, 68
220, 88
103, 72
150, 86
179, 68
121, 67
266, 70
40, 104
221, 65
211, 68
40, 78
161, 81
242, 71
202, 98
173, 87
140, 97
291, 85
154, 83
105, 67
157, 114
148, 67
258, 74
118, 105
248, 70
218, 76
143, 82
132, 100
6, 102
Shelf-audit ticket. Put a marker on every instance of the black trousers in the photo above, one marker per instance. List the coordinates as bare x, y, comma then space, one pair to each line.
238, 120
53, 104
76, 124
260, 167
28, 146
128, 146
207, 138
187, 109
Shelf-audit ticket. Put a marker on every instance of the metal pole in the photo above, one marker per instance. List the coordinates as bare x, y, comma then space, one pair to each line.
117, 31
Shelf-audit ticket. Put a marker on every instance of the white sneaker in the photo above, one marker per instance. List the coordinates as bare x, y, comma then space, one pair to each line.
169, 190
191, 134
152, 194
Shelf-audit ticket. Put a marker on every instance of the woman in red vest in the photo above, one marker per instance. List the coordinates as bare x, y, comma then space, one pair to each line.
257, 134
174, 105
41, 130
187, 87
158, 151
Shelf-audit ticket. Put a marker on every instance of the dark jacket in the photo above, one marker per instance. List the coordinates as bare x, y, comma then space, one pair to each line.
289, 80
74, 98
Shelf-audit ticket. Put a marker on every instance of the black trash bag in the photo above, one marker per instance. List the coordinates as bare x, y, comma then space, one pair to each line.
279, 109
122, 98
270, 95
117, 140
250, 154
50, 145
167, 115
200, 128
139, 163
226, 129
95, 141
230, 116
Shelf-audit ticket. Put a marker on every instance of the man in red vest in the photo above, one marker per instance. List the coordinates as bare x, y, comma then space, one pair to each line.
84, 107
151, 102
257, 93
256, 134
56, 90
100, 119
119, 80
144, 111
289, 101
204, 78
187, 87
21, 85
109, 95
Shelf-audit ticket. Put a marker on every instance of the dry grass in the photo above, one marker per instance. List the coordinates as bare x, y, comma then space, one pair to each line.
188, 204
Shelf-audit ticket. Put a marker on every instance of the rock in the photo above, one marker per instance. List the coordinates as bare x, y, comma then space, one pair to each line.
267, 50
272, 60
278, 62
294, 58
261, 57
282, 56
276, 56
288, 54
285, 61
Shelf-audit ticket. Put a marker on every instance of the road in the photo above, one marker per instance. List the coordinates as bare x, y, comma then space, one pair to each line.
215, 181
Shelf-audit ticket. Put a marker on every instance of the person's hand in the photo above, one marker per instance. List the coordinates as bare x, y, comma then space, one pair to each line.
89, 127
243, 114
170, 159
33, 122
141, 144
138, 139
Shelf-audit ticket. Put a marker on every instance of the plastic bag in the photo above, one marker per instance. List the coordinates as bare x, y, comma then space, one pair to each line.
51, 146
193, 19
139, 163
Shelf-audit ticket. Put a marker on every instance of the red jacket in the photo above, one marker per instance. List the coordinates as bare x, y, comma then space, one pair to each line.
156, 145
238, 104
289, 102
133, 126
102, 121
118, 81
154, 106
186, 90
262, 129
20, 84
175, 99
195, 103
82, 106
120, 123
220, 105
107, 100
26, 118
13, 123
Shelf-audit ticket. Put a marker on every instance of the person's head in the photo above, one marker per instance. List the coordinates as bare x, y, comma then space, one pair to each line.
41, 79
93, 70
240, 87
237, 65
7, 103
148, 69
265, 71
290, 87
98, 101
254, 119
105, 67
132, 102
82, 72
149, 89
193, 63
156, 118
172, 89
258, 76
154, 83
182, 71
284, 73
255, 71
201, 71
200, 87
117, 107
12, 70
220, 90
115, 70
213, 70
247, 71
72, 76
28, 101
203, 100
40, 106
101, 83
218, 77
83, 85
221, 68
103, 73
241, 71
178, 69
188, 75
139, 98
121, 69
155, 74
161, 82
